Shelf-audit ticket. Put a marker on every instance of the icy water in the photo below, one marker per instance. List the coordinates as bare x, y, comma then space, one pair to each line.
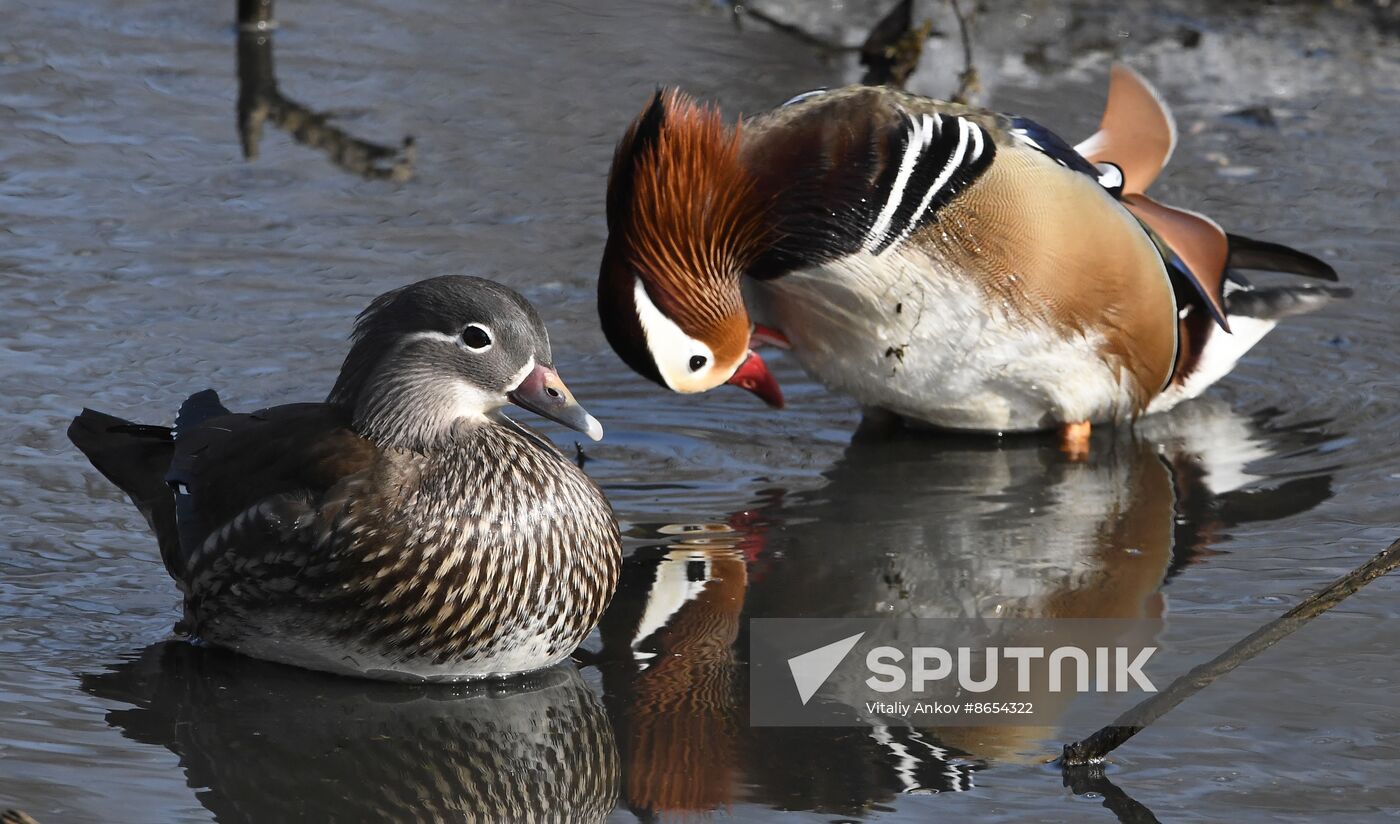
142, 259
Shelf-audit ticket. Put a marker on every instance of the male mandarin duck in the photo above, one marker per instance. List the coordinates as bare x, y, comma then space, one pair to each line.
954, 266
405, 529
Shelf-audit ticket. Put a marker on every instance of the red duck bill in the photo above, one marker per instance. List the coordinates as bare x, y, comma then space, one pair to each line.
754, 376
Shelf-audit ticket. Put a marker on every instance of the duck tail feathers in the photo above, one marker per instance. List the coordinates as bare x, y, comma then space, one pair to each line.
1248, 253
1278, 302
135, 457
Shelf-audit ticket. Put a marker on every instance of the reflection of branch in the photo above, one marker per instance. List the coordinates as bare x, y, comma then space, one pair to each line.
1091, 779
259, 101
255, 14
892, 51
969, 83
741, 10
1092, 749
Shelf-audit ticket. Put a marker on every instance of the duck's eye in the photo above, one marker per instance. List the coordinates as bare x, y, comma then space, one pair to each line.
476, 337
697, 362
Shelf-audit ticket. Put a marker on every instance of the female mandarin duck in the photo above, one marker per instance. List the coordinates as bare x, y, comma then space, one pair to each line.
405, 529
957, 267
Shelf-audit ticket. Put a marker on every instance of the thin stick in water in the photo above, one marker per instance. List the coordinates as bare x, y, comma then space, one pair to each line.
1092, 750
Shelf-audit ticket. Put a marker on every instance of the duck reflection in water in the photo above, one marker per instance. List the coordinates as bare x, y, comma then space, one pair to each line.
265, 742
671, 674
917, 526
923, 526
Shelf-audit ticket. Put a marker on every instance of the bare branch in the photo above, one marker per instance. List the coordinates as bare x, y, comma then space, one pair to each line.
1092, 750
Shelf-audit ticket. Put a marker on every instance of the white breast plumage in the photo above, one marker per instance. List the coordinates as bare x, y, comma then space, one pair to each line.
899, 332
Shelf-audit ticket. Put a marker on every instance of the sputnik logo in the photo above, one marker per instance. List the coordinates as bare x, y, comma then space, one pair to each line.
811, 669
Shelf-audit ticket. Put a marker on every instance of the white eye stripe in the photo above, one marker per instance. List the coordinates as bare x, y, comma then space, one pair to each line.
439, 336
671, 348
455, 340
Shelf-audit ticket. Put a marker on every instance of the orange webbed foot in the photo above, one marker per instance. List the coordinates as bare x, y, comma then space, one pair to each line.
1074, 440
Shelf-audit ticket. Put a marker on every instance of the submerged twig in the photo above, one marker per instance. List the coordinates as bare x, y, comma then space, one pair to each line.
1125, 808
1093, 749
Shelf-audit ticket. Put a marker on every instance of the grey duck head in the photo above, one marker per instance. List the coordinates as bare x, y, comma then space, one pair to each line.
450, 349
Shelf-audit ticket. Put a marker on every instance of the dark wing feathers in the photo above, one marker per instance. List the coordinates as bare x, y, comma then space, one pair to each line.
233, 462
192, 481
198, 408
857, 169
1032, 134
817, 173
1189, 289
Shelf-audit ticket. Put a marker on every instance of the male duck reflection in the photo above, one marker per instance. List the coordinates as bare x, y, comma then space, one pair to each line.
405, 529
930, 528
957, 267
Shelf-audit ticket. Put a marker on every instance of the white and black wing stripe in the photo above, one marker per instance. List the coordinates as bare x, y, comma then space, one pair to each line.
798, 98
1032, 135
919, 764
857, 172
940, 156
1111, 178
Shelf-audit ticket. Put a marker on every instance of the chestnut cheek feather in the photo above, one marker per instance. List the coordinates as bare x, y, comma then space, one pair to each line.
754, 376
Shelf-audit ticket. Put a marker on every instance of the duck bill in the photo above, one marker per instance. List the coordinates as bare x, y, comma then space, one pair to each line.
754, 376
768, 336
543, 393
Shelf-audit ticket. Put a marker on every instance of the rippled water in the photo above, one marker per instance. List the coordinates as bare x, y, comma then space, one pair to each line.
141, 259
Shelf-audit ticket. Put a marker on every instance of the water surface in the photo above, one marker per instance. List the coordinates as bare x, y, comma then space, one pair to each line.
142, 258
